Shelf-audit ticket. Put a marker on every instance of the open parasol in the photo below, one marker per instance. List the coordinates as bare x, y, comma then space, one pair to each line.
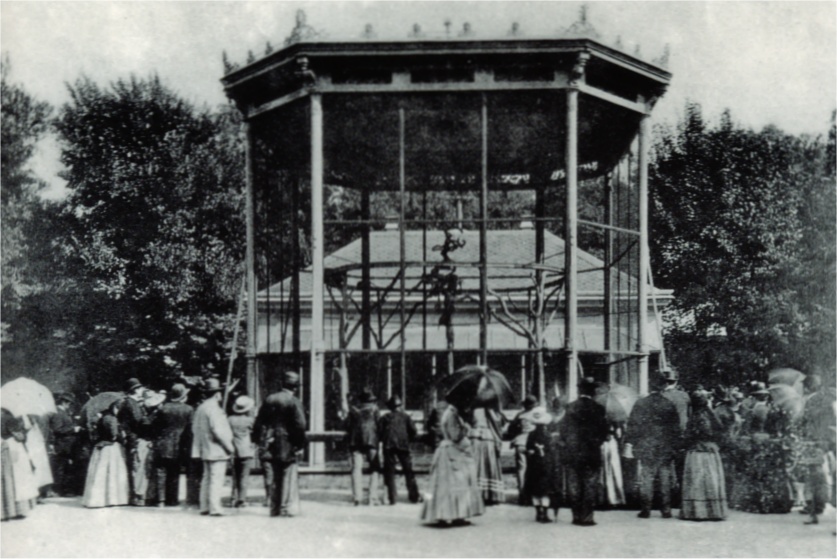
23, 396
96, 405
476, 386
786, 376
618, 402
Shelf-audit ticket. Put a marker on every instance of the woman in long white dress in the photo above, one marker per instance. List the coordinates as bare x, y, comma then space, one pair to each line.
107, 476
453, 493
19, 487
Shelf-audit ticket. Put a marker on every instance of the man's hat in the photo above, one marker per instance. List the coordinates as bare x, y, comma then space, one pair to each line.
211, 386
529, 402
669, 374
367, 397
759, 388
394, 402
132, 384
587, 386
66, 397
243, 404
290, 379
179, 392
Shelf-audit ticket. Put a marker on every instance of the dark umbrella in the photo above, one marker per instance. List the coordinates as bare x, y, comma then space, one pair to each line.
618, 402
476, 386
96, 405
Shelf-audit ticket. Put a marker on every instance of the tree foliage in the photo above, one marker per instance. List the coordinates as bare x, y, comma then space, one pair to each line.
743, 231
153, 226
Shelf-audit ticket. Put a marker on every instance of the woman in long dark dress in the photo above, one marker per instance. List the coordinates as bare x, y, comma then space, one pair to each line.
107, 475
704, 489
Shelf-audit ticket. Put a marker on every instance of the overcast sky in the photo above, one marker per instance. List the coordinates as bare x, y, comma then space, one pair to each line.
769, 62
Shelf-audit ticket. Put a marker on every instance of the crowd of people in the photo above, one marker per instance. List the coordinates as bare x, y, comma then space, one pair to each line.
702, 452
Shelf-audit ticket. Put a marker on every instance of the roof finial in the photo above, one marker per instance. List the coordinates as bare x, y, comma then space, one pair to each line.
416, 32
618, 44
582, 27
466, 30
515, 30
301, 31
662, 62
637, 51
447, 27
369, 32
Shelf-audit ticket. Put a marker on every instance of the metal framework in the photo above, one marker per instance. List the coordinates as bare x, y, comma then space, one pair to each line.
386, 186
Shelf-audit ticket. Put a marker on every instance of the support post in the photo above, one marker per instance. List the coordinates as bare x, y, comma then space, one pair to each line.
644, 255
484, 235
608, 272
571, 244
366, 277
402, 254
317, 368
250, 259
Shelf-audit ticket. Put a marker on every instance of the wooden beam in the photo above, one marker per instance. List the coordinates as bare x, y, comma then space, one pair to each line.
608, 97
277, 103
484, 232
250, 259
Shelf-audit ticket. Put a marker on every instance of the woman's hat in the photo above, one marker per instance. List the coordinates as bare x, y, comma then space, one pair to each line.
243, 404
759, 388
153, 399
366, 397
394, 402
179, 392
539, 416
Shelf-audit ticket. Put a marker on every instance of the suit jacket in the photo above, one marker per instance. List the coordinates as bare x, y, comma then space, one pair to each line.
397, 430
682, 402
134, 421
211, 433
584, 429
171, 431
282, 414
362, 427
242, 428
62, 432
654, 429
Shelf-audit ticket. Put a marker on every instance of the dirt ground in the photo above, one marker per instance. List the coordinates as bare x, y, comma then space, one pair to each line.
330, 526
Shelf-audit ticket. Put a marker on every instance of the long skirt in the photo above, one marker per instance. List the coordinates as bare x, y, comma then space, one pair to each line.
612, 488
704, 489
12, 507
453, 492
36, 446
489, 475
107, 482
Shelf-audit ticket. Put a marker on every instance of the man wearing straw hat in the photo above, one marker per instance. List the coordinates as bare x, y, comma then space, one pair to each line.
135, 422
282, 414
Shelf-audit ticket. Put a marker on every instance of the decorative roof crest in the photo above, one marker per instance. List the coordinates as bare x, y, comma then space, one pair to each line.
467, 31
515, 30
416, 32
663, 61
369, 32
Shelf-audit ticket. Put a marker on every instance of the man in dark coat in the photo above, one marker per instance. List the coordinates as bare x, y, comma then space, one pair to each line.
397, 431
362, 436
171, 434
282, 414
655, 436
584, 430
135, 423
63, 433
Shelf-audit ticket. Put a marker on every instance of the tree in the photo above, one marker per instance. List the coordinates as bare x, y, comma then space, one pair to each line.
741, 221
154, 226
24, 122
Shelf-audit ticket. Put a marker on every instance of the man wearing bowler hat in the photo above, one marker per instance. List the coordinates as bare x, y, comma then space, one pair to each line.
212, 442
171, 430
397, 431
136, 424
63, 433
282, 414
585, 429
